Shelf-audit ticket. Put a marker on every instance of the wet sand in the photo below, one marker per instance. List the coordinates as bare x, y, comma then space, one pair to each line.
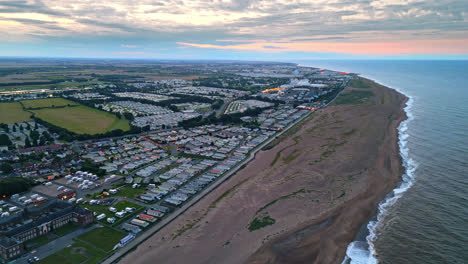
319, 184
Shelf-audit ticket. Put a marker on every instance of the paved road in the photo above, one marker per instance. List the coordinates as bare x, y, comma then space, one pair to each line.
148, 233
221, 110
54, 246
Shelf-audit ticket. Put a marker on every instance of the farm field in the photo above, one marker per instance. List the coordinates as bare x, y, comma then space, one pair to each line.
82, 119
13, 113
43, 86
43, 103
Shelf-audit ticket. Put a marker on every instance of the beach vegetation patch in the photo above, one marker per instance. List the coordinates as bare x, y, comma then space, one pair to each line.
261, 222
354, 97
361, 83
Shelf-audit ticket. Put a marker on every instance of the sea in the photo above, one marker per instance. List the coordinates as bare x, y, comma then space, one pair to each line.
425, 218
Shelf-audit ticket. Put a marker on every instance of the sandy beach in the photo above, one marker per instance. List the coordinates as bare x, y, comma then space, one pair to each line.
318, 185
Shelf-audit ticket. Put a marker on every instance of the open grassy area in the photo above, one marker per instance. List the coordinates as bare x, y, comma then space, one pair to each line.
55, 259
50, 102
361, 83
38, 241
120, 206
82, 119
13, 113
68, 228
77, 253
353, 97
129, 192
104, 238
44, 86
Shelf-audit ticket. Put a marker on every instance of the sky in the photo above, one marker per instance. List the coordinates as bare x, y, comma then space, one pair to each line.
235, 29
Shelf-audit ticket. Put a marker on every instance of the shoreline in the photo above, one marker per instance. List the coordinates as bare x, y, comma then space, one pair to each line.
387, 196
354, 251
319, 232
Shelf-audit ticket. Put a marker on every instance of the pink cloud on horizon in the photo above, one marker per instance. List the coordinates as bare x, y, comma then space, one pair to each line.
443, 46
128, 46
133, 53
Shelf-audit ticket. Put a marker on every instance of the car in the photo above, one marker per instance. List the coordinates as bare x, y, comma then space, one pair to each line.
36, 258
30, 260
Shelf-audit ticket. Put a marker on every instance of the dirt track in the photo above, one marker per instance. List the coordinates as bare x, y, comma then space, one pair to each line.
319, 185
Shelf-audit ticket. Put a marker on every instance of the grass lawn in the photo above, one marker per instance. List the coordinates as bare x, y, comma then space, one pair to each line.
38, 241
77, 253
103, 238
82, 119
13, 113
353, 97
55, 259
68, 228
99, 209
50, 102
121, 205
129, 192
44, 86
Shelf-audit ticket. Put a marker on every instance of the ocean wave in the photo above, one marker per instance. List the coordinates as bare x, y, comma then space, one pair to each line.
363, 252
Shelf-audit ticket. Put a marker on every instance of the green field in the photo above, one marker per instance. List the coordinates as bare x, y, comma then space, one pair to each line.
129, 192
77, 253
82, 119
13, 113
361, 83
103, 238
44, 86
44, 103
353, 97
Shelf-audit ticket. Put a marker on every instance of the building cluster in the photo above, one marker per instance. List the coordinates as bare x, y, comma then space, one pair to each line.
35, 221
210, 92
89, 96
162, 169
145, 96
135, 108
240, 106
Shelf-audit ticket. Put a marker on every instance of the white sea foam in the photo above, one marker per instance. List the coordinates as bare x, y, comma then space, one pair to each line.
363, 252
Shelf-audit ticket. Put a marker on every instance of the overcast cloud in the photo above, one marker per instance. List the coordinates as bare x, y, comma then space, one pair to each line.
159, 25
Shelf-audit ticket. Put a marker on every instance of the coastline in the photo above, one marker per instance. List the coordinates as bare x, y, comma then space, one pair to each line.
321, 235
355, 251
378, 201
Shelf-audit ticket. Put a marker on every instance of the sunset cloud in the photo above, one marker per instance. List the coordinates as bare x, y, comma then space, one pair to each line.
339, 26
446, 46
129, 46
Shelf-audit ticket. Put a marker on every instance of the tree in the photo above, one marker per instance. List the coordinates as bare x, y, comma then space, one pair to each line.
36, 127
14, 128
34, 136
5, 140
128, 116
6, 168
10, 186
5, 127
27, 142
